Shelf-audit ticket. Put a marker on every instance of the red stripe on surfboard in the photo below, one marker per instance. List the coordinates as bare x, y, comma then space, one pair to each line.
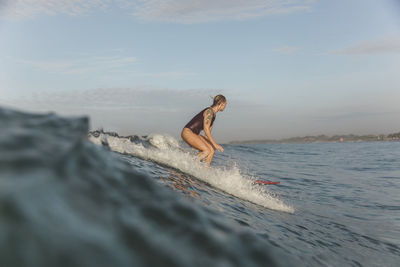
265, 182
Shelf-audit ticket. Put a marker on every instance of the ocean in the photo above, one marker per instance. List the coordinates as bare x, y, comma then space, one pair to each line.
70, 197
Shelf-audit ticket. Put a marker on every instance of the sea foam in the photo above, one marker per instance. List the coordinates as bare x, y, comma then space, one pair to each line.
166, 150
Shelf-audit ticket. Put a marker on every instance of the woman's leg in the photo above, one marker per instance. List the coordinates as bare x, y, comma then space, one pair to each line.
211, 147
195, 141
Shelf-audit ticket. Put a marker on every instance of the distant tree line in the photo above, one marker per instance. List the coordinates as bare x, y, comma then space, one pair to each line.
325, 138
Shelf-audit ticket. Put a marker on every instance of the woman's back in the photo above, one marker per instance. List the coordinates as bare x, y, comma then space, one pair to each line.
197, 123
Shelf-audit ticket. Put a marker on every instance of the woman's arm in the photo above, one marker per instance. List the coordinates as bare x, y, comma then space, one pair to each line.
208, 116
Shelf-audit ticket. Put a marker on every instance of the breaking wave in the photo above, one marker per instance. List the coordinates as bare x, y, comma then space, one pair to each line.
166, 150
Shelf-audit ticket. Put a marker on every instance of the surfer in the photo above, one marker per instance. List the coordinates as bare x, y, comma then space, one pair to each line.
204, 121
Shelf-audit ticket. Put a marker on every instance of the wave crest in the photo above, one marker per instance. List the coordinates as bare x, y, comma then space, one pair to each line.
166, 150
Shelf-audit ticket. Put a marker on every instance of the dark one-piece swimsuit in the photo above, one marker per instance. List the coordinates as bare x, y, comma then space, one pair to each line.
197, 123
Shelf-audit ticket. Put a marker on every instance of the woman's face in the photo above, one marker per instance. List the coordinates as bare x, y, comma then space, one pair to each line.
222, 106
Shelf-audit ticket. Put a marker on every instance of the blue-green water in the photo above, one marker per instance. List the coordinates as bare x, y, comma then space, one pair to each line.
146, 201
346, 198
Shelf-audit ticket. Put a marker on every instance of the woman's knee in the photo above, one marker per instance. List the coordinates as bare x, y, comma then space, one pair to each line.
208, 150
184, 134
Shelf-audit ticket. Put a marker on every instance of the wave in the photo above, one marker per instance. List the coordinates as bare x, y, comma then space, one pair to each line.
166, 150
67, 202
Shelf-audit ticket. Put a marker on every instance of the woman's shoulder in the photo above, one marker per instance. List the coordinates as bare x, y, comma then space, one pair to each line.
207, 110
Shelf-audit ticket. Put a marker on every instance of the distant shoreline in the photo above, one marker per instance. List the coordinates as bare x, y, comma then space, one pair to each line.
325, 139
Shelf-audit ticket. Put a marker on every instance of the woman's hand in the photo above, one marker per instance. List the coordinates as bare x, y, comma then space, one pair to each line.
220, 149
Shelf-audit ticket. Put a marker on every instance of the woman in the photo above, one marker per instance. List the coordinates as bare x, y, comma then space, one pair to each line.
204, 121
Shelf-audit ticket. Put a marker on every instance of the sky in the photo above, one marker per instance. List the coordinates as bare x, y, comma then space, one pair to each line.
287, 68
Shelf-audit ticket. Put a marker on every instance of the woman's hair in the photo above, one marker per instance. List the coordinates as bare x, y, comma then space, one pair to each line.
218, 99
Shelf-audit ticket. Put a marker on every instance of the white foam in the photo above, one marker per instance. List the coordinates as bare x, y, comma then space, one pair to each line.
163, 141
167, 151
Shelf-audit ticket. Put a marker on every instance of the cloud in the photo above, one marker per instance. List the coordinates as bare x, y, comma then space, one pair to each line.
144, 110
354, 115
137, 98
177, 11
108, 66
192, 11
80, 66
386, 45
286, 49
174, 75
14, 9
137, 110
